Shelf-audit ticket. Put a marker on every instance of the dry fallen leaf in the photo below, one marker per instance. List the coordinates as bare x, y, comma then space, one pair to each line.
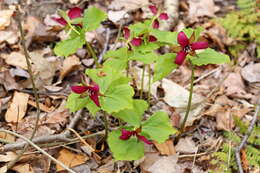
15, 59
7, 136
166, 148
177, 96
9, 156
165, 165
70, 64
10, 37
70, 159
5, 18
42, 106
17, 109
59, 116
235, 87
116, 16
23, 168
201, 8
251, 72
128, 5
186, 145
8, 81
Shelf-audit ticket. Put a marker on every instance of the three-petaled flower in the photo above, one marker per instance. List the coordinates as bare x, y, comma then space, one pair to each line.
187, 46
92, 90
73, 13
126, 134
161, 16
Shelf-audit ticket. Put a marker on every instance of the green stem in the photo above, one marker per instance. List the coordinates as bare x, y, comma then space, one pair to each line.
190, 99
71, 27
142, 83
149, 82
92, 52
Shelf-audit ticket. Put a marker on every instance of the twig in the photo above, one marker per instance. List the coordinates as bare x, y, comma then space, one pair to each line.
27, 57
100, 58
244, 140
49, 138
39, 149
92, 52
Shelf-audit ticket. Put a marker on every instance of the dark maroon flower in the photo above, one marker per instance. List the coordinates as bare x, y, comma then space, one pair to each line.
126, 33
73, 13
153, 9
126, 134
156, 24
187, 46
164, 16
136, 41
152, 38
93, 92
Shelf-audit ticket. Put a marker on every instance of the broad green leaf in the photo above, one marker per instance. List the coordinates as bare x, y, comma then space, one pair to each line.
117, 98
165, 36
69, 46
164, 66
189, 31
158, 127
210, 56
119, 58
133, 116
146, 48
75, 103
92, 18
104, 76
147, 58
138, 29
92, 107
131, 149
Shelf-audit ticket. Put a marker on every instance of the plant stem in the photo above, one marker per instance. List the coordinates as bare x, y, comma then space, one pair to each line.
27, 57
142, 83
92, 52
149, 83
106, 125
190, 99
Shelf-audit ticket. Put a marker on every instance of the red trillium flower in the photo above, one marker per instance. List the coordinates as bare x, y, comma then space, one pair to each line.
126, 134
152, 38
73, 14
92, 90
162, 16
187, 46
137, 41
126, 32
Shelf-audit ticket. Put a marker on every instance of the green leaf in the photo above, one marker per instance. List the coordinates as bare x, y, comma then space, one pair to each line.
138, 29
147, 58
75, 103
119, 58
69, 46
131, 149
165, 36
117, 98
210, 56
92, 18
146, 48
164, 66
133, 116
92, 107
158, 127
197, 31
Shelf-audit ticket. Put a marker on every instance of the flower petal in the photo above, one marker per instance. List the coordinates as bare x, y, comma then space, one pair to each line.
125, 134
144, 139
199, 45
164, 16
180, 57
79, 89
75, 12
60, 20
94, 97
152, 38
126, 32
136, 41
93, 88
183, 39
153, 9
156, 24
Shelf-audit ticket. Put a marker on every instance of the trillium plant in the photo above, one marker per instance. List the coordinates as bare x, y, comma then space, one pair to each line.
110, 90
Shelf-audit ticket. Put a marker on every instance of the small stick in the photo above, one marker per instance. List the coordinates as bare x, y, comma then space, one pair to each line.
100, 58
39, 149
244, 140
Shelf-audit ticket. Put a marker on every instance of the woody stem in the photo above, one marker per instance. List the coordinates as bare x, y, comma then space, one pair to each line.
190, 99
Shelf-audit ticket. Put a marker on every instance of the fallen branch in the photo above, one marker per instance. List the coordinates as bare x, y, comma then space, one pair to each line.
39, 149
63, 137
244, 140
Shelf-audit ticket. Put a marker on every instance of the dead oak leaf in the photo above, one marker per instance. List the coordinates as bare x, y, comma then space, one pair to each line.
5, 18
70, 64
